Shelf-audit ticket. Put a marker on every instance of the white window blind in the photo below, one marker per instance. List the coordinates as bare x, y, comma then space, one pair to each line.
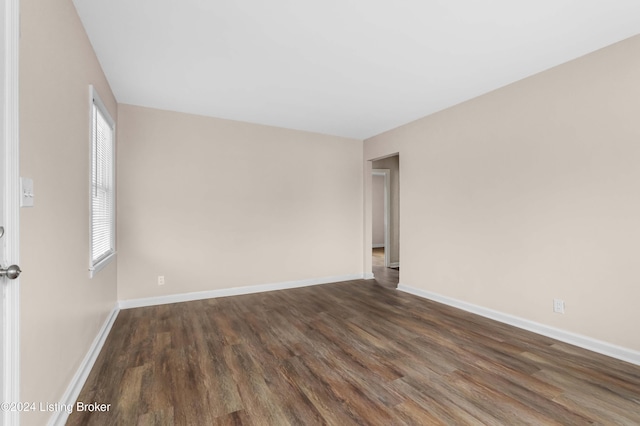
102, 186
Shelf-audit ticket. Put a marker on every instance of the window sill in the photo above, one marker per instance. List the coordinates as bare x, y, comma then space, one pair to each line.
100, 265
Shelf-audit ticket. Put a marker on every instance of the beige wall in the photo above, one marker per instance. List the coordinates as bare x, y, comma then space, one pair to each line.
530, 193
393, 164
62, 309
215, 204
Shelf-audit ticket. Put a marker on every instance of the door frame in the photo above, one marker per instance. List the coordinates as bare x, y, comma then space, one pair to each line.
387, 212
9, 145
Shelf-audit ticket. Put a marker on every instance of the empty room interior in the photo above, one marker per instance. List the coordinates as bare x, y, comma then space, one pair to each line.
330, 212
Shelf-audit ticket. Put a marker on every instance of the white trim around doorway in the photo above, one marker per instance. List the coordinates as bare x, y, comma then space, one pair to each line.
10, 167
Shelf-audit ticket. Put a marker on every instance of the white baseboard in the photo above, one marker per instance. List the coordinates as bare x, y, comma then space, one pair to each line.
59, 418
236, 291
378, 245
585, 342
394, 265
368, 276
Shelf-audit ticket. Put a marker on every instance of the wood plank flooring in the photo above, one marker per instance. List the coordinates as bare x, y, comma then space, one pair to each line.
352, 353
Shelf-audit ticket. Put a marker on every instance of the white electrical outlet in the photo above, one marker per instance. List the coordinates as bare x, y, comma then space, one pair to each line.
160, 279
558, 306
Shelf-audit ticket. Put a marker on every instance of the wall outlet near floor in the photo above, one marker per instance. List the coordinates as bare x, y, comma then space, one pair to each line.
160, 279
558, 306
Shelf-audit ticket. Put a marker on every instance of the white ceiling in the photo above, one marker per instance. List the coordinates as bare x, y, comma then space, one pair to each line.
343, 67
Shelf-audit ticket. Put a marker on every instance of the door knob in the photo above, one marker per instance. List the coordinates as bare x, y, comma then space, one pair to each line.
12, 272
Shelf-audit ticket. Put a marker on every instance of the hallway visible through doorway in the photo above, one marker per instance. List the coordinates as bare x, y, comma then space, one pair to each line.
386, 277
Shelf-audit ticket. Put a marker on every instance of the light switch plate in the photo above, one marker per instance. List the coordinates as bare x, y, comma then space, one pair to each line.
26, 192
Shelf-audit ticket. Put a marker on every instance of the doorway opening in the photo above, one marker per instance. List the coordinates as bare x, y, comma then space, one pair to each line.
385, 205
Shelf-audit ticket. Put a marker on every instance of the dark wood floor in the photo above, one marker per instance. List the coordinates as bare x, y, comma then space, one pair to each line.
342, 354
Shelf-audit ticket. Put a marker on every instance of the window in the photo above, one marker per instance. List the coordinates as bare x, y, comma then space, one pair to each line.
102, 186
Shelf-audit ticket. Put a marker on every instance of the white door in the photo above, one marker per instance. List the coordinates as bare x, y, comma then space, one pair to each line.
9, 213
